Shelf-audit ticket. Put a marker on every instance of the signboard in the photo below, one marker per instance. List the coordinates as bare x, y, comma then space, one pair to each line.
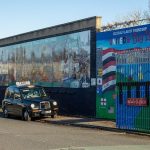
137, 102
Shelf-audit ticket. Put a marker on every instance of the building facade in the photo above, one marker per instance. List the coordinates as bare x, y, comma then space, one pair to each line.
59, 58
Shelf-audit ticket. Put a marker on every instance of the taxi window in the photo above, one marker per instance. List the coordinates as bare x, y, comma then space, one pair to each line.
28, 93
17, 94
9, 93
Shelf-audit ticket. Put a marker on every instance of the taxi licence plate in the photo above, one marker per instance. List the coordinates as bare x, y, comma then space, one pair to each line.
46, 112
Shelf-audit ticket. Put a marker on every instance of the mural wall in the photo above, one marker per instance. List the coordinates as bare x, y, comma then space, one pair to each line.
61, 61
133, 81
106, 77
109, 44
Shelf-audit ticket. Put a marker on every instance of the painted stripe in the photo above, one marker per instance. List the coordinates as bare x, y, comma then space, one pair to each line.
111, 63
108, 84
108, 50
112, 58
110, 54
113, 77
108, 75
111, 88
119, 51
109, 69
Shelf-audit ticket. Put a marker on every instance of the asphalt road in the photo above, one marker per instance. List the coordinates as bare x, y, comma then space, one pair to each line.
20, 135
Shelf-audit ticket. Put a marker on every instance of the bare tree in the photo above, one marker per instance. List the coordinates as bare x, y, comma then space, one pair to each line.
134, 15
133, 18
146, 13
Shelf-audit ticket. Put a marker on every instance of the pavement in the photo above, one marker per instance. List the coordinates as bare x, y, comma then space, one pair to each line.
16, 134
82, 122
101, 124
93, 123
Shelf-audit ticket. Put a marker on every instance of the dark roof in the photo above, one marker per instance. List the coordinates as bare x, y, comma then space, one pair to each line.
91, 22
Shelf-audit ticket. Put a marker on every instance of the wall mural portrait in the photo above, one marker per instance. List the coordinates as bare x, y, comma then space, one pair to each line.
61, 61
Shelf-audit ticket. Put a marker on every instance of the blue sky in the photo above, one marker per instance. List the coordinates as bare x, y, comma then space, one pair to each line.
19, 16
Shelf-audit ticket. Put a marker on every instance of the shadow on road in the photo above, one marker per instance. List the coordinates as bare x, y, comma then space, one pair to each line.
72, 121
1, 114
63, 120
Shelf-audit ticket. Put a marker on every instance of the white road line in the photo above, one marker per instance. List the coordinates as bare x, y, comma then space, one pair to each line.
4, 132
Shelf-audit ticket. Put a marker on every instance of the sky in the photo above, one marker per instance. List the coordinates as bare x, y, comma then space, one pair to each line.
20, 16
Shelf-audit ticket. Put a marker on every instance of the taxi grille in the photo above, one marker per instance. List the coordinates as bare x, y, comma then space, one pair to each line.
44, 105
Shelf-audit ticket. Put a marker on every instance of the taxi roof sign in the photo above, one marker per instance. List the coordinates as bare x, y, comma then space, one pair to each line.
23, 83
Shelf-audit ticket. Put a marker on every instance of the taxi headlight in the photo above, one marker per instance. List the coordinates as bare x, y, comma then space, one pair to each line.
54, 103
32, 106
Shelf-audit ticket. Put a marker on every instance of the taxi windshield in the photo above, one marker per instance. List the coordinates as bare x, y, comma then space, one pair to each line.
35, 92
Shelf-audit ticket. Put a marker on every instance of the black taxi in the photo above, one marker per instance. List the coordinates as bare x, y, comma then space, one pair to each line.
28, 101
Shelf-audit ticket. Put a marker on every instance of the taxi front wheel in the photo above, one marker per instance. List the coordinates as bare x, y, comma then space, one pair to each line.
54, 116
26, 116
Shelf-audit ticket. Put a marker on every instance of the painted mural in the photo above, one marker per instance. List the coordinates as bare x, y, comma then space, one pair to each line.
133, 79
61, 61
129, 49
106, 78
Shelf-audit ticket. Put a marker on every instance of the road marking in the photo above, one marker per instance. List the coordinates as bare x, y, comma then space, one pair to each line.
4, 132
122, 147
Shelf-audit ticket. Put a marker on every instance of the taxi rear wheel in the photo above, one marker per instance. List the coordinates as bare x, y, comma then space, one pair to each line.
5, 112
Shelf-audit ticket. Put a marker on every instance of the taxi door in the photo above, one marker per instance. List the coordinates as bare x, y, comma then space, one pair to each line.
9, 100
18, 104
